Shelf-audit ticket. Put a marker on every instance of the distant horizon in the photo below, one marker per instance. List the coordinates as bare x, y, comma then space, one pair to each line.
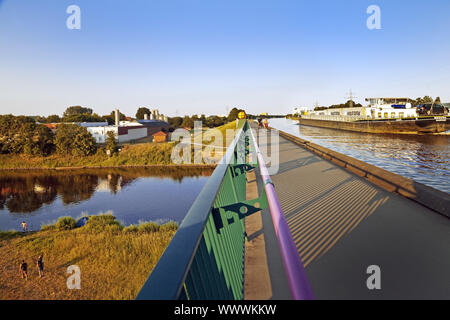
133, 115
207, 57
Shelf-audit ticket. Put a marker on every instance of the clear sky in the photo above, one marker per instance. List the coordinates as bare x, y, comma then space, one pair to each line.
204, 56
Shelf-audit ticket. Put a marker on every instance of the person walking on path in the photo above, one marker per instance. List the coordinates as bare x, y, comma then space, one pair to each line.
266, 123
24, 226
40, 266
260, 123
24, 270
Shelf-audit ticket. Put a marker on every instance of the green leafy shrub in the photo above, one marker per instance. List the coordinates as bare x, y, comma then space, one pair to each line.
103, 222
65, 223
111, 143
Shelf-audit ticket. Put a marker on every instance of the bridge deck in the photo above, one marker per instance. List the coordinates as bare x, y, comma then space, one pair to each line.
342, 224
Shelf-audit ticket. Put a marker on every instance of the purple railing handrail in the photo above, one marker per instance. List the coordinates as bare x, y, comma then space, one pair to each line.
293, 265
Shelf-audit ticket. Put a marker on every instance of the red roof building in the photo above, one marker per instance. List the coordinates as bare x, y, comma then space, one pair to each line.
160, 136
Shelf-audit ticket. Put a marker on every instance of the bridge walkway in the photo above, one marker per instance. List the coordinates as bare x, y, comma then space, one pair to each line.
342, 224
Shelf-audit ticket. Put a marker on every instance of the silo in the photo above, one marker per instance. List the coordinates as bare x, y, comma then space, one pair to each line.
117, 117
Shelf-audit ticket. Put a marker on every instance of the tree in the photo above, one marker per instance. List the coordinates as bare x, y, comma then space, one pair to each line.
438, 100
108, 119
233, 115
83, 117
424, 100
75, 140
39, 140
427, 99
187, 122
75, 110
53, 119
140, 114
22, 135
122, 117
175, 122
111, 142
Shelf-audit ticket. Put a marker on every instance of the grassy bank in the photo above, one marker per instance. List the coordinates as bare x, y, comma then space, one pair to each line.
114, 261
145, 154
131, 155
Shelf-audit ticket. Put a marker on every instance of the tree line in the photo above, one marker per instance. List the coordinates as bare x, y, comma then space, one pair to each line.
79, 114
210, 121
22, 135
28, 135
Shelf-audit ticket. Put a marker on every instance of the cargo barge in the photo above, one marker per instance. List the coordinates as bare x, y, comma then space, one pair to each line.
433, 125
382, 115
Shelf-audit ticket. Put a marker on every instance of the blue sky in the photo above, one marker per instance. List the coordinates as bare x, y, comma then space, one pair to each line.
198, 56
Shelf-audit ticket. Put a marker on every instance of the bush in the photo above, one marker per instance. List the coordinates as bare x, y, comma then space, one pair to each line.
65, 223
111, 143
103, 222
131, 229
148, 227
169, 226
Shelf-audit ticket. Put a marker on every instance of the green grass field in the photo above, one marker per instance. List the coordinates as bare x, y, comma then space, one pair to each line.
114, 260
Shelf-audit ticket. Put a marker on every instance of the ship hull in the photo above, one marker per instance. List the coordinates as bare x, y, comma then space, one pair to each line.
419, 126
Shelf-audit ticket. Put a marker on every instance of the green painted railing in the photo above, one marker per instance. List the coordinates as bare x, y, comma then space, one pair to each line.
205, 259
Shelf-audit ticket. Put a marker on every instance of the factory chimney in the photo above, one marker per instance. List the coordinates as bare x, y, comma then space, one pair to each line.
117, 117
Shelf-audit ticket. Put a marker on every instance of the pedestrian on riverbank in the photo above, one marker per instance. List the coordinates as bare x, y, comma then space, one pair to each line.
24, 270
40, 266
266, 123
24, 226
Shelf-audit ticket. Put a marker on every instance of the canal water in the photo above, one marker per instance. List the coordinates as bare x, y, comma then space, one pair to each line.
132, 195
425, 159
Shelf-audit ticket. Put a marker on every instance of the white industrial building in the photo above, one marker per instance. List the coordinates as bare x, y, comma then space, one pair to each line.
126, 131
122, 133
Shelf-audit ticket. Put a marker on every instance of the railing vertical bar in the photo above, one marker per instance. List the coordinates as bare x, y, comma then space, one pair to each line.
205, 268
220, 260
210, 268
197, 273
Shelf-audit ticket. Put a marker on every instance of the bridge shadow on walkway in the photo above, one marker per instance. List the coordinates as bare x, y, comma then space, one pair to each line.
342, 224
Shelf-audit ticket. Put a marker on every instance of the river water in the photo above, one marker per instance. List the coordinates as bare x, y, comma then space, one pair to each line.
132, 195
425, 159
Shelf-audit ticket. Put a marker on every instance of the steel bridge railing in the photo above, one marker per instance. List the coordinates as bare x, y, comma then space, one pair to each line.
205, 259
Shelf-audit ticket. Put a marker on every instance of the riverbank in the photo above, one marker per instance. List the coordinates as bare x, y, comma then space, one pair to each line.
130, 155
114, 261
139, 155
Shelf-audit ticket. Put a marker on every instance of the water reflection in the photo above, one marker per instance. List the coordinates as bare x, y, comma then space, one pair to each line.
56, 193
425, 158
